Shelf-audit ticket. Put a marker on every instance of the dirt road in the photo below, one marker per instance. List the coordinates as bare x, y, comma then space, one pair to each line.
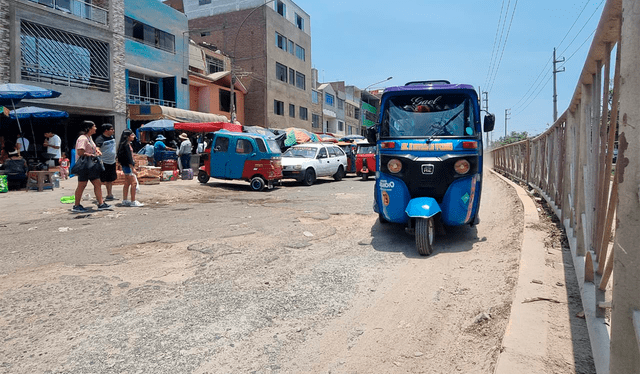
218, 279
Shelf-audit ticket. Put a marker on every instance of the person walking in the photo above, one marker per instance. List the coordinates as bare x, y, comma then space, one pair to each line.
184, 152
88, 169
125, 158
107, 145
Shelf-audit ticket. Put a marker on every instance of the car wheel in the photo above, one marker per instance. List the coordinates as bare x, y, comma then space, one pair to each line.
339, 174
309, 177
257, 183
203, 177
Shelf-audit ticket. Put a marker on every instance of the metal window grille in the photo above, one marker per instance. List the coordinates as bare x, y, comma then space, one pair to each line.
215, 65
62, 58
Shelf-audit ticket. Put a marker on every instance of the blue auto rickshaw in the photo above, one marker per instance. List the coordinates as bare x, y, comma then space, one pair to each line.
429, 157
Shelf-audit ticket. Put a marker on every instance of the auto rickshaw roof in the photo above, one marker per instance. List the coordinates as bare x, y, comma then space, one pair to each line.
428, 87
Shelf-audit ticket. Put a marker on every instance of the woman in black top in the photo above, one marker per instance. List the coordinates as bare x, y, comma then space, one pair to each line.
125, 158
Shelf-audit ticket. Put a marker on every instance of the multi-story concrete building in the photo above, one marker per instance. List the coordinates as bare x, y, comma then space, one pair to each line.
316, 103
352, 111
270, 44
210, 83
74, 47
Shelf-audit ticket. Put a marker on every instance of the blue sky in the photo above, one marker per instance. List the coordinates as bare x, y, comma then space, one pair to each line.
363, 42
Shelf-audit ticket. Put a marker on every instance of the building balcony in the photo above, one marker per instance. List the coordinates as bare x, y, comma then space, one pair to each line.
79, 9
135, 99
63, 77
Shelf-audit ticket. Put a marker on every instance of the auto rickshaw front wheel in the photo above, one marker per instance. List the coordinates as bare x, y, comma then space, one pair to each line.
257, 183
203, 177
425, 235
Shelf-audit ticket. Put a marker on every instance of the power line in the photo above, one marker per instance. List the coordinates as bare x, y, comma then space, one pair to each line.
493, 50
574, 23
504, 45
542, 88
576, 51
582, 28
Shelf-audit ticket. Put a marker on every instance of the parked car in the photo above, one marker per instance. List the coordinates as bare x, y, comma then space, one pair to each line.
306, 162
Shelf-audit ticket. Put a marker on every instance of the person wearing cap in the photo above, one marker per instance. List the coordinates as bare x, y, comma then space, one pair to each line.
159, 147
184, 152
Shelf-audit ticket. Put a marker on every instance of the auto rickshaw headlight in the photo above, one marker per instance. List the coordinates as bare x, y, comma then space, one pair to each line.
462, 167
394, 165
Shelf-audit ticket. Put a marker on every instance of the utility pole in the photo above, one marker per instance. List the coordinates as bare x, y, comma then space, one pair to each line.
485, 100
555, 93
507, 112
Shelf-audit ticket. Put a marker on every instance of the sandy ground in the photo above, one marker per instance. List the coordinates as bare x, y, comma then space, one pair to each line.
218, 279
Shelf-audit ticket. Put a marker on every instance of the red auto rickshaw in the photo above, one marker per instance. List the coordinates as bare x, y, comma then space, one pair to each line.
366, 160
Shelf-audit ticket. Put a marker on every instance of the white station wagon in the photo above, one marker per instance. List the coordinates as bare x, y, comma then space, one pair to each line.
306, 162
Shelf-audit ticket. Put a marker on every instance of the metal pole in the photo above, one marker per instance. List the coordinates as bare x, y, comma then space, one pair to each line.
555, 93
506, 117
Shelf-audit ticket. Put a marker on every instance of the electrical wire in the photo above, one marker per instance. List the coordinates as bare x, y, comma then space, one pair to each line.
493, 49
513, 12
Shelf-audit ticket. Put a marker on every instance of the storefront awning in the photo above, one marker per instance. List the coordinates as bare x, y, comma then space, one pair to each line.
152, 112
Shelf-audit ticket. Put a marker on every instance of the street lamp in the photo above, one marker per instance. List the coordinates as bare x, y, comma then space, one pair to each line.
382, 81
233, 57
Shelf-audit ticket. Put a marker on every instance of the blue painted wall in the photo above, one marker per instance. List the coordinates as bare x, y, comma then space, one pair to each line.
163, 17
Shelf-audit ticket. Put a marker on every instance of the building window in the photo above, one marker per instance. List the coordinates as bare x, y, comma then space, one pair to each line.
315, 121
292, 111
340, 104
214, 65
62, 58
314, 96
300, 52
149, 35
204, 2
300, 81
357, 113
143, 89
281, 42
299, 22
281, 72
292, 47
225, 100
281, 8
329, 99
278, 108
340, 126
304, 114
292, 76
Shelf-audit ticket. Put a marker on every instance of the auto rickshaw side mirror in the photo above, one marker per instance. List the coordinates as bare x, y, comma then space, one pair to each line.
489, 122
371, 135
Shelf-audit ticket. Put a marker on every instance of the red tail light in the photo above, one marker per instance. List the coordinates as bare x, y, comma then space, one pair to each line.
470, 145
388, 145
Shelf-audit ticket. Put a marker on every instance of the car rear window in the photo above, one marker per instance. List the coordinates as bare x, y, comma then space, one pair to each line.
332, 152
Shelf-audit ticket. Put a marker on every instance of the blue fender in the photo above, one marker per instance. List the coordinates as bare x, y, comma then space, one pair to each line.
423, 207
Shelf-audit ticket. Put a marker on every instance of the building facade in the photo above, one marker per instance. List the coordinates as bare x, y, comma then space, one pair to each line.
270, 44
76, 48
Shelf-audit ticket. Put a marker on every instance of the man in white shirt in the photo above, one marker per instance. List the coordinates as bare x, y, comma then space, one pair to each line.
53, 144
22, 144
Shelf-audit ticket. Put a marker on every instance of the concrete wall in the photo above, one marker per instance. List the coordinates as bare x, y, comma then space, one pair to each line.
4, 47
159, 62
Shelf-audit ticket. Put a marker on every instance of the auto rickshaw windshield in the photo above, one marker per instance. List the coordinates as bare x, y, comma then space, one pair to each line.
366, 149
427, 116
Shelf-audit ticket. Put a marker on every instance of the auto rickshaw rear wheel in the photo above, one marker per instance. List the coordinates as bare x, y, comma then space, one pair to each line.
257, 183
365, 176
203, 177
425, 235
382, 219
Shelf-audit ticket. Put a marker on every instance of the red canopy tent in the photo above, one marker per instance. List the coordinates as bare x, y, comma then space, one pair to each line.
208, 126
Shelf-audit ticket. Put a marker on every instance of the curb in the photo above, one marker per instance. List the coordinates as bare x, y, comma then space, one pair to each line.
524, 344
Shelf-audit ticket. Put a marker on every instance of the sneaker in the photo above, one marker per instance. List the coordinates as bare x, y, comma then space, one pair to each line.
136, 203
126, 203
79, 209
104, 206
109, 198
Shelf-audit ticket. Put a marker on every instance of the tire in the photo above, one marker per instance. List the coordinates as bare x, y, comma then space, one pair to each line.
425, 235
203, 177
382, 219
257, 183
309, 177
339, 174
365, 176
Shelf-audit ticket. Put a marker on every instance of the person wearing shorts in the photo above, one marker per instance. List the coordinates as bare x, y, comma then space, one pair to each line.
125, 157
107, 145
85, 147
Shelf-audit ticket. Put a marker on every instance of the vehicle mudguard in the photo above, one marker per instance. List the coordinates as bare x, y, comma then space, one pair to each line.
459, 205
422, 207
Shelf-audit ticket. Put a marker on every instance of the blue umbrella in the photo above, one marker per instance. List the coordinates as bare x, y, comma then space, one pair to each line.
12, 93
35, 112
158, 125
